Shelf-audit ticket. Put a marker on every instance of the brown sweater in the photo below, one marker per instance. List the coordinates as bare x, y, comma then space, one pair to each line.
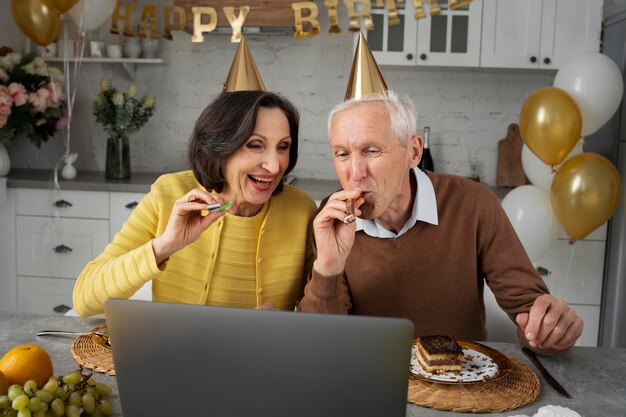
434, 275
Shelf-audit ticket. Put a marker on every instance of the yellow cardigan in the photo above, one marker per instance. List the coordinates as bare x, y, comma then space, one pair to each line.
284, 255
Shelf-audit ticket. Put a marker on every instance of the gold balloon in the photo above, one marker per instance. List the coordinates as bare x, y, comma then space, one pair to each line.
38, 19
585, 193
550, 123
64, 5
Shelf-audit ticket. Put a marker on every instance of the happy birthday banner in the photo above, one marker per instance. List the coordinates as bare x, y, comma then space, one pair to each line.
305, 14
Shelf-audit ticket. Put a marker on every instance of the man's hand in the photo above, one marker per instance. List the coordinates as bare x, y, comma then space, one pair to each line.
333, 237
550, 324
186, 223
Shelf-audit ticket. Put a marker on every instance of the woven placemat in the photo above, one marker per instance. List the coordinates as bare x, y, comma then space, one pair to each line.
92, 355
521, 386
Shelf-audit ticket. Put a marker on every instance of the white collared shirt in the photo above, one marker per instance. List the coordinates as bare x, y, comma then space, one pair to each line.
424, 209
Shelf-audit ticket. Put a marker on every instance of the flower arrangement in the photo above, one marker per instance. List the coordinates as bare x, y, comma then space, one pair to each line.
121, 113
32, 100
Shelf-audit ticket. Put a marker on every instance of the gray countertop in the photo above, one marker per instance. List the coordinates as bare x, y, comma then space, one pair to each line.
140, 182
137, 183
595, 377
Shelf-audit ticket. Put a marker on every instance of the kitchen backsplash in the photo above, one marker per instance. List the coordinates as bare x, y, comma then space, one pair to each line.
468, 110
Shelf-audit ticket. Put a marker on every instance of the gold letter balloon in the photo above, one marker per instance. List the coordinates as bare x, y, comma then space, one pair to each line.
550, 123
38, 19
585, 193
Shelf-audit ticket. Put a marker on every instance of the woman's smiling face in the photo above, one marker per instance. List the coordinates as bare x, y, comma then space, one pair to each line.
255, 170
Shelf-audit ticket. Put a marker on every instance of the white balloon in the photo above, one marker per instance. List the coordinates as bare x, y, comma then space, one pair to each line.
530, 212
538, 172
595, 83
91, 14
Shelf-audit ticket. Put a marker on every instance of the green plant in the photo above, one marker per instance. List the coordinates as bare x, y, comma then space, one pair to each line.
122, 113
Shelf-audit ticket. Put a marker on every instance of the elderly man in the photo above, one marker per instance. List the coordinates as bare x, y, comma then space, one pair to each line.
423, 244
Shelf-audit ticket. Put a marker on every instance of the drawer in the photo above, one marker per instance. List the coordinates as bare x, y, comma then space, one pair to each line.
120, 207
44, 295
64, 203
37, 238
576, 271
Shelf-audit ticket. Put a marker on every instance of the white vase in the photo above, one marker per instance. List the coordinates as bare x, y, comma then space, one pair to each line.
132, 47
5, 162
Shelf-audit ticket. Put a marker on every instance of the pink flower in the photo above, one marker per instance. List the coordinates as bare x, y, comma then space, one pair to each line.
18, 93
62, 122
3, 76
5, 105
56, 94
40, 99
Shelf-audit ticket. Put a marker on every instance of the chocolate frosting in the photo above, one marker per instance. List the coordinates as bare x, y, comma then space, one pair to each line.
438, 344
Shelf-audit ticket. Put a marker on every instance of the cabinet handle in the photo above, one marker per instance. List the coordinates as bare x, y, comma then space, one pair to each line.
63, 249
533, 59
62, 203
409, 56
543, 271
546, 60
61, 308
423, 57
131, 205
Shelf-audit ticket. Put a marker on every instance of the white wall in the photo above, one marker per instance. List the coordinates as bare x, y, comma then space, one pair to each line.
468, 110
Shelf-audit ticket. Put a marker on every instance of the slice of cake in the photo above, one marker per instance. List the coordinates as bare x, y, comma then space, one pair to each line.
438, 354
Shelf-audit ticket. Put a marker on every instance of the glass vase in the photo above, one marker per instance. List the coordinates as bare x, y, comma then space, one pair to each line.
118, 157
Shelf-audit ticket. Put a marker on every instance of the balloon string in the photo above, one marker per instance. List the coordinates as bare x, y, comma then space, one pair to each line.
571, 260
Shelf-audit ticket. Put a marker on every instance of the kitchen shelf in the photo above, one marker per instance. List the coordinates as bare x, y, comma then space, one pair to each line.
129, 64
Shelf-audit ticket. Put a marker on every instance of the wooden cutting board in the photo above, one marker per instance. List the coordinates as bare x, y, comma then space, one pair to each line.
510, 171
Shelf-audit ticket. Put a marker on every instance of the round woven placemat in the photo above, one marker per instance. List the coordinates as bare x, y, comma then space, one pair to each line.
521, 386
92, 355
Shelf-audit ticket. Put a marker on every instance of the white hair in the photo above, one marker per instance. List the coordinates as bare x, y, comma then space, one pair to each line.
402, 114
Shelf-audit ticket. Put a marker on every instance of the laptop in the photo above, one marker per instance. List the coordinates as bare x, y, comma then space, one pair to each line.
188, 360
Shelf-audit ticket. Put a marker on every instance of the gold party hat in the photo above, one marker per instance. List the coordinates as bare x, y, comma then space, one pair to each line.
243, 74
365, 76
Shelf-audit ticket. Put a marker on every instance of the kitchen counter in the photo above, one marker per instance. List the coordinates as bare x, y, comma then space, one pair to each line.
595, 377
140, 183
137, 183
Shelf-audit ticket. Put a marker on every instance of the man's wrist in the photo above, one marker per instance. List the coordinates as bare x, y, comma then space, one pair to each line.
327, 269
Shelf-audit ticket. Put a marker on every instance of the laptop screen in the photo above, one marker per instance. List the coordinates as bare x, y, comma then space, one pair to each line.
179, 359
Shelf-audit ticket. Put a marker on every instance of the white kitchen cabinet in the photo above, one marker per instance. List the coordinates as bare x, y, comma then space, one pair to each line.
47, 239
540, 34
574, 273
449, 39
121, 205
129, 64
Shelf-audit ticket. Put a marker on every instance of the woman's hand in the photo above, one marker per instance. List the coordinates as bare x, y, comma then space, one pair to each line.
186, 223
333, 237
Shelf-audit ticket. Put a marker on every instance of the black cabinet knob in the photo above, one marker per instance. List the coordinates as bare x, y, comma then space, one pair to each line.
63, 249
546, 60
131, 205
409, 57
61, 308
423, 57
62, 203
533, 59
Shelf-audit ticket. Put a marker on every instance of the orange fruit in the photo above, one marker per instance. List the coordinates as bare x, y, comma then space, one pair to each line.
26, 362
4, 384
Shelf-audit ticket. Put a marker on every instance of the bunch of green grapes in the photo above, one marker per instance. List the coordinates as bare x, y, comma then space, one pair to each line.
73, 395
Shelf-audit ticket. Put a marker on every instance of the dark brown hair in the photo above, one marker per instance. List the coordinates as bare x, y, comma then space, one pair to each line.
225, 125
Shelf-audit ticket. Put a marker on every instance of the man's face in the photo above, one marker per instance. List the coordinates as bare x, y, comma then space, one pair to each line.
367, 156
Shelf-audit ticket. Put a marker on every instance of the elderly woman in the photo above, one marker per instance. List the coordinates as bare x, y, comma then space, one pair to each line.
255, 254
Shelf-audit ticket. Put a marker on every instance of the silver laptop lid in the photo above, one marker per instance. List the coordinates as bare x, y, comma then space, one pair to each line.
187, 360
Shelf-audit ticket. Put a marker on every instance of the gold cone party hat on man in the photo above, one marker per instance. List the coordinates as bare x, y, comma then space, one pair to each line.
243, 74
365, 76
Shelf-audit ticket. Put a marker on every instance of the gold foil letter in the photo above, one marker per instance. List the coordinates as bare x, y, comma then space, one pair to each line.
364, 13
130, 8
236, 22
149, 10
168, 25
331, 5
393, 13
435, 10
457, 4
198, 27
310, 18
419, 9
